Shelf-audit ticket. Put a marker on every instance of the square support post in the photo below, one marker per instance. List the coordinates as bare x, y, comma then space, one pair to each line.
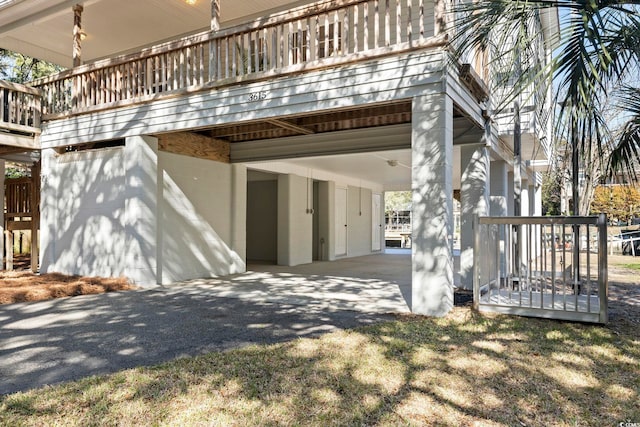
432, 207
474, 196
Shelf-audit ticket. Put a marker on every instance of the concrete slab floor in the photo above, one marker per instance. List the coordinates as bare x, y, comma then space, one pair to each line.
379, 283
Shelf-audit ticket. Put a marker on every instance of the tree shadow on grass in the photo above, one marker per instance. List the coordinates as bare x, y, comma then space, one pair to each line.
461, 369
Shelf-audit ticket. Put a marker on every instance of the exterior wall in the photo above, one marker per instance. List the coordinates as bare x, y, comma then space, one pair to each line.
83, 221
133, 211
359, 221
197, 219
262, 220
295, 222
326, 219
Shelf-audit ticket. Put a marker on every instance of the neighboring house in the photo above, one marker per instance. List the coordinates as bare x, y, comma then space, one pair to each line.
192, 136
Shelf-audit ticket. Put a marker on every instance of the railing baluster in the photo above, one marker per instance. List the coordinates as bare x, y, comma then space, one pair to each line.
365, 26
227, 44
387, 24
336, 34
307, 40
376, 23
398, 6
234, 54
409, 22
299, 44
345, 32
274, 48
201, 65
356, 9
421, 16
265, 49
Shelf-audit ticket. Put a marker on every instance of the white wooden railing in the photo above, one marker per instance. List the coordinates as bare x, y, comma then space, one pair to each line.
327, 33
554, 267
19, 108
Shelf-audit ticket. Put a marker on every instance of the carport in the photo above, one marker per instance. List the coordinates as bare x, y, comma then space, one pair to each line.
379, 283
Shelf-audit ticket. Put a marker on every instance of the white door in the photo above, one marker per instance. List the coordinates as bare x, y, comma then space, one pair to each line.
376, 225
341, 222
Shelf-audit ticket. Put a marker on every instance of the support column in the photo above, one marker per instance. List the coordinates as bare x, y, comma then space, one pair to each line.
498, 204
213, 44
499, 186
432, 207
141, 209
327, 214
77, 35
532, 199
510, 192
238, 212
295, 223
35, 215
524, 199
474, 197
538, 200
215, 15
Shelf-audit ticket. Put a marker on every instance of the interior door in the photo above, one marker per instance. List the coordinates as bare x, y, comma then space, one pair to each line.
341, 222
376, 224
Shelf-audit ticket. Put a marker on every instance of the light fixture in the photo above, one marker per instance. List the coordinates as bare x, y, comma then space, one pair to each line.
392, 163
190, 2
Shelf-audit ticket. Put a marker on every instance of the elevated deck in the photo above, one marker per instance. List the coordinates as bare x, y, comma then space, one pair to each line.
20, 115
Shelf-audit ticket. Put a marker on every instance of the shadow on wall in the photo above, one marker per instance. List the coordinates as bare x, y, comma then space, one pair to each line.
83, 213
196, 219
101, 215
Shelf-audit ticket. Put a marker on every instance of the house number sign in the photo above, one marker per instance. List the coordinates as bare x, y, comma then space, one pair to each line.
257, 96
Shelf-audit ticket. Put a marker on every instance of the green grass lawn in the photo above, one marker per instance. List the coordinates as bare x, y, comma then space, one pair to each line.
632, 266
464, 369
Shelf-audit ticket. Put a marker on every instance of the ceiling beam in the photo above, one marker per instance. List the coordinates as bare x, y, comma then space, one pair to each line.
194, 145
290, 126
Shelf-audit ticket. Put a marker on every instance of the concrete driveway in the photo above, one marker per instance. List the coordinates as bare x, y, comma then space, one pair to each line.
66, 339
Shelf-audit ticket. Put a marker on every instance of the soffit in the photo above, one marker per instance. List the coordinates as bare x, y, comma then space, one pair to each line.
43, 28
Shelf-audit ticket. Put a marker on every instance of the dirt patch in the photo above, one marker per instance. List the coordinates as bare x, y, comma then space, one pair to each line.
21, 286
624, 290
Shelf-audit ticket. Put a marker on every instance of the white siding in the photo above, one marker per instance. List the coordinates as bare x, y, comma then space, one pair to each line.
377, 81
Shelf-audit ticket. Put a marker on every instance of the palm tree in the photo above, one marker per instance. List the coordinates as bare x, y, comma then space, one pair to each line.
596, 64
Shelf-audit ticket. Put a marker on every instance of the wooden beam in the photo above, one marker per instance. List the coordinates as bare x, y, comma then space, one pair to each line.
290, 126
8, 126
19, 225
17, 87
473, 82
4, 149
194, 145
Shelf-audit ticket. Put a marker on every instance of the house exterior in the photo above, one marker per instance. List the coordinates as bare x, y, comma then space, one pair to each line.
188, 137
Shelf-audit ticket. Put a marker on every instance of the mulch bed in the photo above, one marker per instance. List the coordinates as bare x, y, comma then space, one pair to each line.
22, 286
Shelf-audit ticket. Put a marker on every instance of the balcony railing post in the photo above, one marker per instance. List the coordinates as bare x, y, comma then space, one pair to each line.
603, 280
